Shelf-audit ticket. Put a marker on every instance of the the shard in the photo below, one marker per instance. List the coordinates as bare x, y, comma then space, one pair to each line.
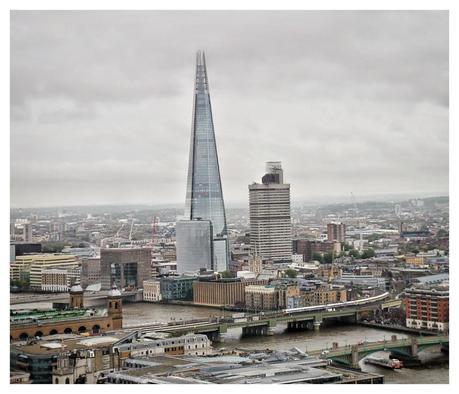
204, 196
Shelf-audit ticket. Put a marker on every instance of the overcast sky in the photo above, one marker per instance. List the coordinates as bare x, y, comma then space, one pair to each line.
101, 103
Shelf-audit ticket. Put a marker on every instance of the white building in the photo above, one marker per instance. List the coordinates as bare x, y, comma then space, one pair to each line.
58, 280
151, 290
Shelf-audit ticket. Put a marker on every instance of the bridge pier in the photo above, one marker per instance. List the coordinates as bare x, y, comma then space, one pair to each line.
409, 358
300, 325
257, 331
355, 357
317, 324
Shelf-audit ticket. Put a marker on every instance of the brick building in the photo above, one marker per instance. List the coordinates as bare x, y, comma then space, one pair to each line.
427, 307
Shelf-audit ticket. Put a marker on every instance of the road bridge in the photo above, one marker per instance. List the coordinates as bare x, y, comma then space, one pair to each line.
405, 349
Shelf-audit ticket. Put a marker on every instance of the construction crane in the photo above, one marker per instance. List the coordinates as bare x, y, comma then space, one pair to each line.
359, 221
130, 232
118, 232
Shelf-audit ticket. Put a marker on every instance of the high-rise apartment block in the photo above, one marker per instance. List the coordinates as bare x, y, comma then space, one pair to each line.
204, 205
270, 223
336, 232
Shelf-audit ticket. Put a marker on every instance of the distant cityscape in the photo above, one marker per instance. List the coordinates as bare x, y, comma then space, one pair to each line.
273, 292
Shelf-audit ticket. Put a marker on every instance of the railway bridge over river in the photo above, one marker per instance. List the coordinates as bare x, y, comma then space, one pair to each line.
260, 324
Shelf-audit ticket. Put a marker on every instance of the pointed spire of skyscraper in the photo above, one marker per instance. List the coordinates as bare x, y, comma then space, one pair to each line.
204, 196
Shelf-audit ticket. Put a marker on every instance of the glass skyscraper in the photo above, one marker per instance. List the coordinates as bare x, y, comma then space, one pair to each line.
204, 196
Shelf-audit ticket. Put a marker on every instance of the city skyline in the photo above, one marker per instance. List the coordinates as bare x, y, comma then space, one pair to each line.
347, 101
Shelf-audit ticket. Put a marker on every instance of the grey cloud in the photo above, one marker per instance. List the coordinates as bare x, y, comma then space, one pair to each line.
347, 100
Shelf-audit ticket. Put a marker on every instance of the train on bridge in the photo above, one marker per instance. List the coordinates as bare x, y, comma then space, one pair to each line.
328, 307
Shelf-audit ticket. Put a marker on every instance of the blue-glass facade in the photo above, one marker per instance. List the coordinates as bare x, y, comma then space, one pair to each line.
204, 196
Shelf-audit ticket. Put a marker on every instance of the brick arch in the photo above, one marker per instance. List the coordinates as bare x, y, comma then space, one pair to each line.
24, 336
95, 329
53, 332
38, 334
68, 330
82, 329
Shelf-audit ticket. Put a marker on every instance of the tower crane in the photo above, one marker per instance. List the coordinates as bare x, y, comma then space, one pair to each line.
130, 232
118, 232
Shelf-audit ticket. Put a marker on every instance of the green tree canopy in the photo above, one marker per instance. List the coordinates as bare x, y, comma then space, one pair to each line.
290, 273
367, 253
317, 256
354, 253
227, 274
328, 258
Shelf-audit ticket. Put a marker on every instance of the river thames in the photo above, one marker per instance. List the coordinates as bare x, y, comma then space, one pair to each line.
436, 369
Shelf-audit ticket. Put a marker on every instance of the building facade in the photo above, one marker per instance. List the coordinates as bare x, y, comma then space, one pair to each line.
56, 280
90, 271
270, 220
427, 307
32, 266
336, 232
77, 319
194, 245
177, 287
323, 296
264, 298
127, 267
223, 292
152, 290
204, 196
308, 247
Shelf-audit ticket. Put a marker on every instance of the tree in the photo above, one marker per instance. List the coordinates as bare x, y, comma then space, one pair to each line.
290, 273
317, 256
328, 258
227, 274
354, 253
367, 253
53, 247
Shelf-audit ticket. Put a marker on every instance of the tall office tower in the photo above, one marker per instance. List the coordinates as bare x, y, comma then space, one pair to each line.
27, 232
270, 223
336, 231
204, 197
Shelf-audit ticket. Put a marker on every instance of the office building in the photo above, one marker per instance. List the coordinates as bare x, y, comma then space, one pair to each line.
90, 271
29, 268
127, 267
27, 232
222, 292
152, 290
177, 287
194, 245
265, 298
270, 222
59, 280
336, 232
204, 196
